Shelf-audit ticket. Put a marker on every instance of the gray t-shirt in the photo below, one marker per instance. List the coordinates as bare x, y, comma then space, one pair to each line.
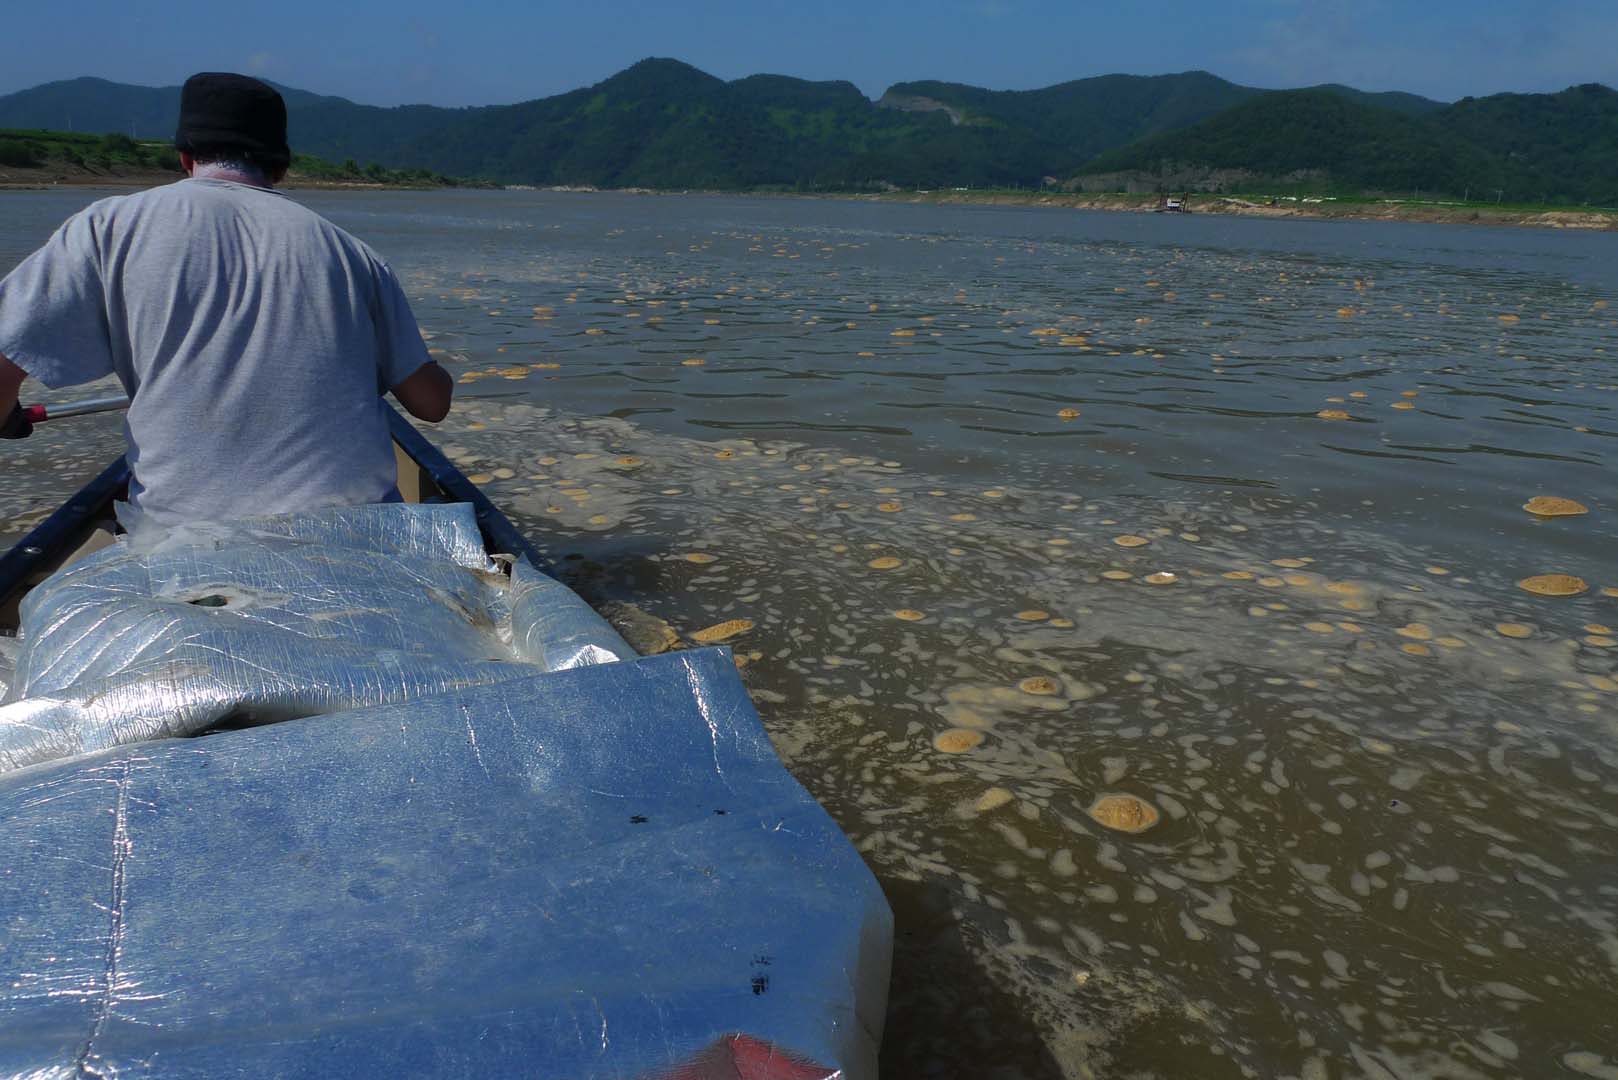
254, 337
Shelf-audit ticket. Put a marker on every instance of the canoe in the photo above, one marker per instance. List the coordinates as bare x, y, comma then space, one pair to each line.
602, 870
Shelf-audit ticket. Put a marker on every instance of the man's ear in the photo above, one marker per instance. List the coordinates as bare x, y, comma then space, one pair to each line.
187, 162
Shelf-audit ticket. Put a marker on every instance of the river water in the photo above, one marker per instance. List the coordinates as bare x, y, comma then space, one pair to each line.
1031, 507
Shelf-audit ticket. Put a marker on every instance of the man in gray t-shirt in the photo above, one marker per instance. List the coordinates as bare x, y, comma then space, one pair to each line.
254, 337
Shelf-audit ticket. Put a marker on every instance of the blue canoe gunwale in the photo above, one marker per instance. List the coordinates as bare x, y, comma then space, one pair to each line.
425, 475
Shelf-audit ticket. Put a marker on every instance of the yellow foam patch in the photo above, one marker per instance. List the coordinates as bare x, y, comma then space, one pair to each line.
957, 740
1124, 813
1553, 585
722, 631
992, 799
1554, 506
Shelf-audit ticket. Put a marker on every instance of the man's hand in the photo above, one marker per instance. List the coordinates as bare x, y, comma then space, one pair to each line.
16, 425
426, 393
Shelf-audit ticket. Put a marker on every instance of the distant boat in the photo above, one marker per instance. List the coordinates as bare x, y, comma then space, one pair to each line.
1171, 206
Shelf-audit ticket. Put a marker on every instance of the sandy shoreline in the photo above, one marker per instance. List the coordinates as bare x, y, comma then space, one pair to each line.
1432, 213
1605, 221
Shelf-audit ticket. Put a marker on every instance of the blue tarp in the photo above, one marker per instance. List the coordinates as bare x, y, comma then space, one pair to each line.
596, 872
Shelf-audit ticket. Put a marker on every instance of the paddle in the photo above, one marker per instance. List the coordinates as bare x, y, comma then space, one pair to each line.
38, 414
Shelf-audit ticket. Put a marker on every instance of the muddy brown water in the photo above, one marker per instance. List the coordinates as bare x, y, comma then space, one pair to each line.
904, 442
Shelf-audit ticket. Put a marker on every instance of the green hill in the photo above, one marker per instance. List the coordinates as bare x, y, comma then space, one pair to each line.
1084, 117
662, 123
1557, 146
1317, 139
1410, 104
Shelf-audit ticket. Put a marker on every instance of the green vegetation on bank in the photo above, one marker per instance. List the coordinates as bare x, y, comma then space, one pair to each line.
103, 153
114, 155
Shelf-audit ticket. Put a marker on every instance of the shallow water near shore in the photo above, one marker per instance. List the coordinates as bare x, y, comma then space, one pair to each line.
1029, 507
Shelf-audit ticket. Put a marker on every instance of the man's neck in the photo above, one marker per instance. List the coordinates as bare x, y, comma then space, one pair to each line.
233, 171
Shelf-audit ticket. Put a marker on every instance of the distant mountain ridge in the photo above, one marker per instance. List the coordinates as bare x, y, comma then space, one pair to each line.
664, 124
1523, 147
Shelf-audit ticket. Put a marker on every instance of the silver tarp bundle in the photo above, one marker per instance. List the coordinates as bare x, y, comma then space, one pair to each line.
275, 618
484, 839
599, 872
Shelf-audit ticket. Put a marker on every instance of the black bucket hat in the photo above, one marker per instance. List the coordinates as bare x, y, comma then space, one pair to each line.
222, 111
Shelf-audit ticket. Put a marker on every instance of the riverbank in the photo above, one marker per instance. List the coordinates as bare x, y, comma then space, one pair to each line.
1441, 213
1542, 217
35, 179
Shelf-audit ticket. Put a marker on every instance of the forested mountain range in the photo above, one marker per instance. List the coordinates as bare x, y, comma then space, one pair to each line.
1515, 147
665, 124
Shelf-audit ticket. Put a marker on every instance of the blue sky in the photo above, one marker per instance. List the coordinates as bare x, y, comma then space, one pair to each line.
497, 51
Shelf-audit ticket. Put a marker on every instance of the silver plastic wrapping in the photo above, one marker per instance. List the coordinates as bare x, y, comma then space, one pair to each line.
8, 663
603, 872
277, 618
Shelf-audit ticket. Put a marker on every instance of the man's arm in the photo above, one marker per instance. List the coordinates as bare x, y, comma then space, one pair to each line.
12, 424
426, 393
